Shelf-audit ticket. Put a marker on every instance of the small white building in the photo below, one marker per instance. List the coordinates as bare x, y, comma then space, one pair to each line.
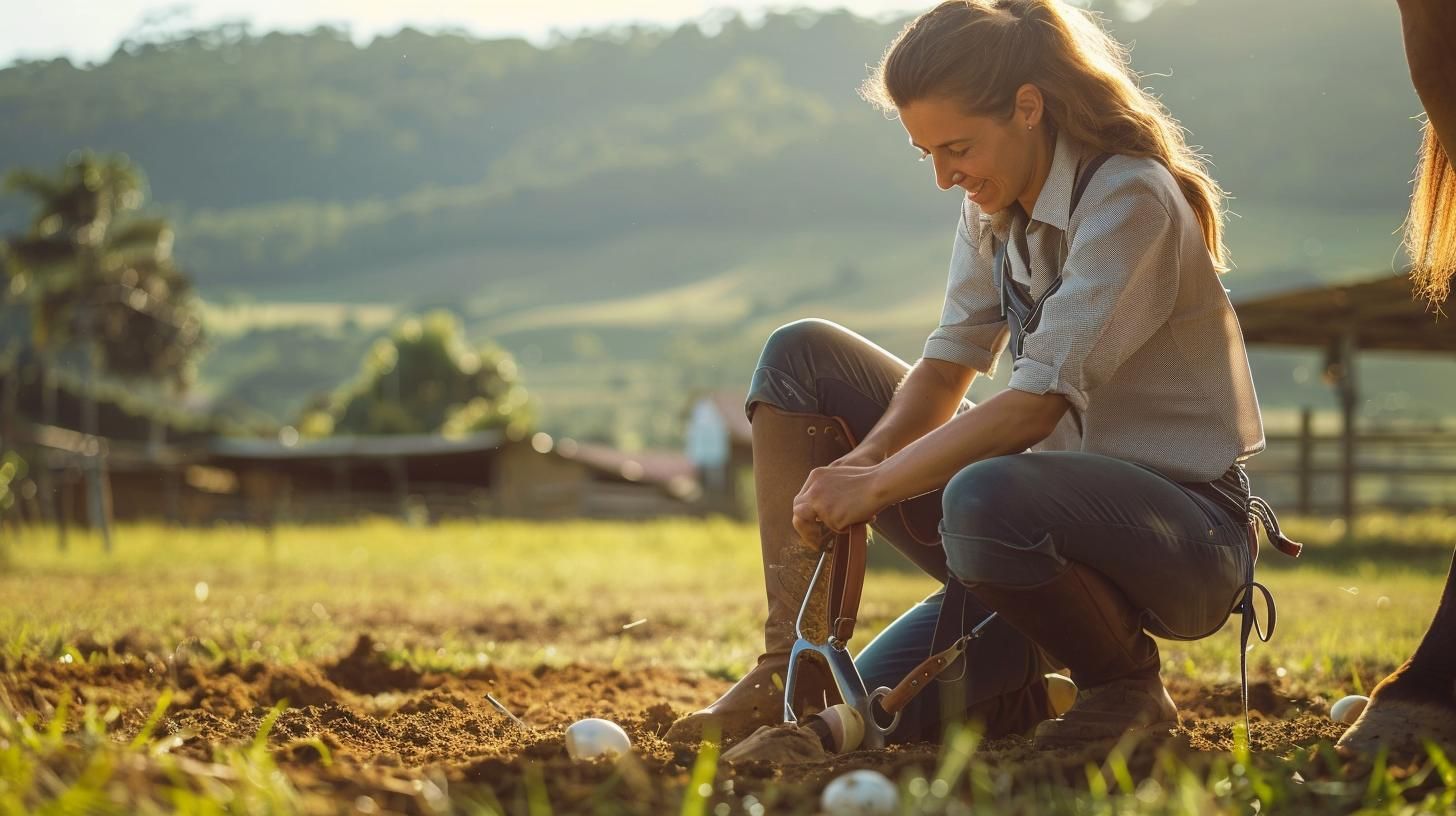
718, 439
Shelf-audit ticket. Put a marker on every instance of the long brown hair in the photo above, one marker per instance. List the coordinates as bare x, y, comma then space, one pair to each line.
979, 52
1430, 230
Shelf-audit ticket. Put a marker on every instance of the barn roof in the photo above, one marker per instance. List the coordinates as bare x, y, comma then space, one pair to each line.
351, 447
1384, 314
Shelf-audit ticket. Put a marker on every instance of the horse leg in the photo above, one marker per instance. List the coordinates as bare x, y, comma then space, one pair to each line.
1418, 701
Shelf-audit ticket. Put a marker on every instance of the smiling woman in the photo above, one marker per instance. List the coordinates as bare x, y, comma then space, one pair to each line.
987, 89
1103, 492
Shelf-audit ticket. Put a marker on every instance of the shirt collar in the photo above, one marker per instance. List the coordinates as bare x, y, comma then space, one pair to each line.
1053, 203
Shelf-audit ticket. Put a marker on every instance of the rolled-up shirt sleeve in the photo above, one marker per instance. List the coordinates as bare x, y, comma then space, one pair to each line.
972, 332
1119, 285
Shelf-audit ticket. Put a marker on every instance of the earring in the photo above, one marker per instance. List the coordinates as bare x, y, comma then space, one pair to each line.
1029, 127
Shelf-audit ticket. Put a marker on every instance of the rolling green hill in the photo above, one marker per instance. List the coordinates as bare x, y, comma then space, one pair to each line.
631, 212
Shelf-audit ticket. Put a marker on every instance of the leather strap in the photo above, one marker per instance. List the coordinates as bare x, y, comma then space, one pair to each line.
1260, 510
847, 560
847, 581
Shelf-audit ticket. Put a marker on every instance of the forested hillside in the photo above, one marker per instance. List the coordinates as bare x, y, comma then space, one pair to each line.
629, 212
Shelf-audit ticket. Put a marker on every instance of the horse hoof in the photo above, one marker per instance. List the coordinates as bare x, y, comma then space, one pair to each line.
1405, 710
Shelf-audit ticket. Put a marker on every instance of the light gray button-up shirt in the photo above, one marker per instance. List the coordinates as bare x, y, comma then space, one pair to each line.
1141, 338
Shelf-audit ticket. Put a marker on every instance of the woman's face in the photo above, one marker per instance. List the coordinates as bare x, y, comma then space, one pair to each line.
994, 160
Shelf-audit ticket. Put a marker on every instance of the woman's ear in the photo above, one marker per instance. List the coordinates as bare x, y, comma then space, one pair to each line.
1029, 106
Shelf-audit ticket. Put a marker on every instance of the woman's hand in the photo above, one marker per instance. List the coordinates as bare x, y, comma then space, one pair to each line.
836, 497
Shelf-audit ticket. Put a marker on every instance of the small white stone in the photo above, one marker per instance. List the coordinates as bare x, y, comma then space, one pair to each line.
595, 737
860, 793
1347, 709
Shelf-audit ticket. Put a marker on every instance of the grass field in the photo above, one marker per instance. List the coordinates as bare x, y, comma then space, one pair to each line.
344, 670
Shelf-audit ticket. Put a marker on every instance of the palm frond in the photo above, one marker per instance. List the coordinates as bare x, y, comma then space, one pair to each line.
41, 254
143, 236
28, 182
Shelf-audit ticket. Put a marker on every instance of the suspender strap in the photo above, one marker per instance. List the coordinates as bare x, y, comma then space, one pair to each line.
1011, 294
1002, 264
1085, 178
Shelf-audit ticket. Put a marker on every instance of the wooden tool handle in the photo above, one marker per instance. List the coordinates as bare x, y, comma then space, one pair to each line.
917, 680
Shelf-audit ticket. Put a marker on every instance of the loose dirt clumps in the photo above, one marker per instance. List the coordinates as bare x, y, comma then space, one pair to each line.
362, 726
363, 671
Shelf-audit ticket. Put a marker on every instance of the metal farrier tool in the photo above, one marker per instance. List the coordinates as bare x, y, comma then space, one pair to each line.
842, 563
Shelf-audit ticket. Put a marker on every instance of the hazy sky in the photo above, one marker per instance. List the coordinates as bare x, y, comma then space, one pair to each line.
88, 30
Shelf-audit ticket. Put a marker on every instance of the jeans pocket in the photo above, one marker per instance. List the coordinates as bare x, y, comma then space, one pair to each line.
921, 516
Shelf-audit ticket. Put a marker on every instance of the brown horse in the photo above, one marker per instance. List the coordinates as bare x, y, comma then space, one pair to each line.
1418, 701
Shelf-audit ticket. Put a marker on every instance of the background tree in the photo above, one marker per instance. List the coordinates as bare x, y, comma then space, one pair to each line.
98, 279
426, 378
94, 272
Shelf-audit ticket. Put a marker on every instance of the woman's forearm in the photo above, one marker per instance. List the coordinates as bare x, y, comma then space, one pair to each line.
1009, 422
927, 397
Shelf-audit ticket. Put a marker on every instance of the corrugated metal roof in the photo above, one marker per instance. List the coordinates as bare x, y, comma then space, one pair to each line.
657, 467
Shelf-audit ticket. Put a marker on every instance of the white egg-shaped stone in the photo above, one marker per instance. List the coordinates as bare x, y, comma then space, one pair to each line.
1347, 709
1061, 693
861, 793
595, 737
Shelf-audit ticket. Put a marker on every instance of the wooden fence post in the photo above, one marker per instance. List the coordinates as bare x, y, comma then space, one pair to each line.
1349, 403
1305, 474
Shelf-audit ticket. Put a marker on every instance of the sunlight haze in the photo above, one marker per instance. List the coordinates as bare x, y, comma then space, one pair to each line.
87, 31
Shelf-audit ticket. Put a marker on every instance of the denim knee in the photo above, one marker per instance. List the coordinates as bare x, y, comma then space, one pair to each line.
788, 341
988, 526
784, 376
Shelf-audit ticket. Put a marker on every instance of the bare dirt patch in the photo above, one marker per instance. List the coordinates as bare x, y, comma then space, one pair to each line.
362, 727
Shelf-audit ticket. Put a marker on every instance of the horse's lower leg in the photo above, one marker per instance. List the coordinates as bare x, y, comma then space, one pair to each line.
1418, 701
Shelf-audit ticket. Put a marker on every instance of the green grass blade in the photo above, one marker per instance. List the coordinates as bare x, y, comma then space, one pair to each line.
161, 708
705, 768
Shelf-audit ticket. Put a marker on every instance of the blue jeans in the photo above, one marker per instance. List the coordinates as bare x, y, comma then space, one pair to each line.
1175, 554
999, 682
1178, 550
